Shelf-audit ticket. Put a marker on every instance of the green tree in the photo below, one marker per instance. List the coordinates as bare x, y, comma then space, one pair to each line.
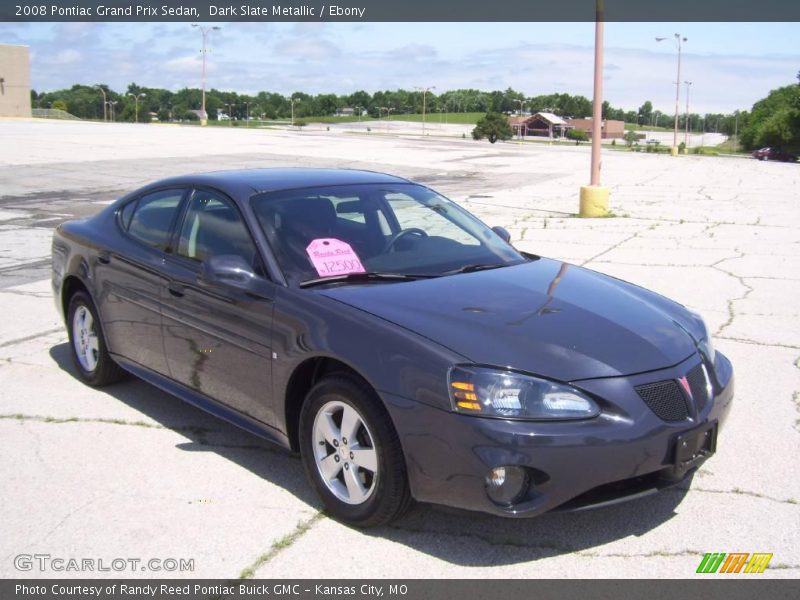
579, 135
774, 121
60, 105
646, 111
630, 137
493, 127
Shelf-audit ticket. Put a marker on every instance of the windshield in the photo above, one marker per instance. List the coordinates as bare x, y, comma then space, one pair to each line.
376, 228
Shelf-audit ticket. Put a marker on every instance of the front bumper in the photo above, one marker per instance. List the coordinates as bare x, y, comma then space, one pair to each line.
624, 453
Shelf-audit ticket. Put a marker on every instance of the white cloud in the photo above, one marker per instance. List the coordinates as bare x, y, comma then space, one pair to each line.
66, 57
341, 58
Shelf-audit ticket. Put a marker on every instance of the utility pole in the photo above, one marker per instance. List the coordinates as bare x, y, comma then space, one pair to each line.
686, 134
424, 91
205, 31
105, 102
678, 40
594, 197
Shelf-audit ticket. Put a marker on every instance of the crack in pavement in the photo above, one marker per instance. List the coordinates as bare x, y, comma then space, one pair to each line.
740, 492
617, 245
62, 420
757, 343
796, 397
63, 520
199, 431
278, 546
731, 302
28, 338
547, 545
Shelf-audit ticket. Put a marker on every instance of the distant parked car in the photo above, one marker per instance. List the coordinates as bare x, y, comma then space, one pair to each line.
773, 154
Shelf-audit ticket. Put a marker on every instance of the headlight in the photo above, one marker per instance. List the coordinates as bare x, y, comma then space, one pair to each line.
507, 395
705, 345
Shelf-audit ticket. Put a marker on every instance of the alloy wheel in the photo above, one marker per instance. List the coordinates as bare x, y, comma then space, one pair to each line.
84, 338
344, 453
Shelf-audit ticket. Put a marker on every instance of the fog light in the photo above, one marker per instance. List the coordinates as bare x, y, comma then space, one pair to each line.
507, 485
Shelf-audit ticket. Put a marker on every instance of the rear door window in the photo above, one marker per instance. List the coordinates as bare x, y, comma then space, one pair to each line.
153, 216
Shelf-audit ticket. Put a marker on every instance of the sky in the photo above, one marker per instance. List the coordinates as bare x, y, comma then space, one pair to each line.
730, 65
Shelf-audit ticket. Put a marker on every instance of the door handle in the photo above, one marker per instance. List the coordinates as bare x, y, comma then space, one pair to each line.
175, 290
104, 257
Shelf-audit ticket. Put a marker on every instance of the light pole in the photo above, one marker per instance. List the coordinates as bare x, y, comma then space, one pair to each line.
655, 118
686, 134
388, 109
230, 113
679, 41
594, 197
703, 120
136, 98
112, 104
424, 91
205, 31
105, 102
519, 125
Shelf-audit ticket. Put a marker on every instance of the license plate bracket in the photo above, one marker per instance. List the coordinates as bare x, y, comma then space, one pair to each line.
693, 447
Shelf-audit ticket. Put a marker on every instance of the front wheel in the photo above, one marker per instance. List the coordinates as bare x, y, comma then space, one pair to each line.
351, 453
88, 347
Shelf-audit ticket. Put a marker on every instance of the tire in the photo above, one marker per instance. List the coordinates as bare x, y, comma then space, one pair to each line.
365, 482
87, 343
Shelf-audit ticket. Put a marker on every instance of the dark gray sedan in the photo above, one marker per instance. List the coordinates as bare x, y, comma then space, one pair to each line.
404, 348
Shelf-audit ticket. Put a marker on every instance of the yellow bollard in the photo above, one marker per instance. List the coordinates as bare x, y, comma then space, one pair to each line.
673, 151
203, 122
594, 201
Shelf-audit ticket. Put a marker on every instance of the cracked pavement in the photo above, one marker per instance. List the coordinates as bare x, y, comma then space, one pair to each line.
129, 471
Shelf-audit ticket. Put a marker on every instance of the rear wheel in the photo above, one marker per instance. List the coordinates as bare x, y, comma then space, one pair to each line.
352, 454
87, 345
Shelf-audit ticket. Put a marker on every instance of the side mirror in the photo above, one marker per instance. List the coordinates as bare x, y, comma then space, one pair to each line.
231, 271
503, 233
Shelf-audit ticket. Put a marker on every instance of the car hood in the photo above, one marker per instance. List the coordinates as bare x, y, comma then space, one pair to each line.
544, 317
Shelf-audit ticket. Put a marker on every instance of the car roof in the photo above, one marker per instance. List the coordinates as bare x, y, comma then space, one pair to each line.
243, 183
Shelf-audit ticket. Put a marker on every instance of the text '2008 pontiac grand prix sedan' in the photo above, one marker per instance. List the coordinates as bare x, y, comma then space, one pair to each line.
404, 348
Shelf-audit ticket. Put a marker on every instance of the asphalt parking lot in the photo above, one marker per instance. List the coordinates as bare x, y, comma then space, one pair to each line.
130, 472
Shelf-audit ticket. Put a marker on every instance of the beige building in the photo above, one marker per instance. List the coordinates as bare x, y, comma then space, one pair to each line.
15, 81
609, 129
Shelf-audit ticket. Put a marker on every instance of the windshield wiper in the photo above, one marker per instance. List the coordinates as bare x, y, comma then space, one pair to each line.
475, 267
368, 276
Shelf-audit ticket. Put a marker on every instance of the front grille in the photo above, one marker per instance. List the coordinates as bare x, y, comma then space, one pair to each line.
697, 383
665, 399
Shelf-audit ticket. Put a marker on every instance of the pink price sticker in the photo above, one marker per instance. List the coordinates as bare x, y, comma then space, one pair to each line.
333, 257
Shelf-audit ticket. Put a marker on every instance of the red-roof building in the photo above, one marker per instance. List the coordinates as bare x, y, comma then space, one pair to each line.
542, 124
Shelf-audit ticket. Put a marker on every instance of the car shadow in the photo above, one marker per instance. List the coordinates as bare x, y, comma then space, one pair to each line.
204, 432
461, 538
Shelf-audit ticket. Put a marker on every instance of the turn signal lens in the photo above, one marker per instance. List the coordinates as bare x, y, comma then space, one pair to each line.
506, 394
